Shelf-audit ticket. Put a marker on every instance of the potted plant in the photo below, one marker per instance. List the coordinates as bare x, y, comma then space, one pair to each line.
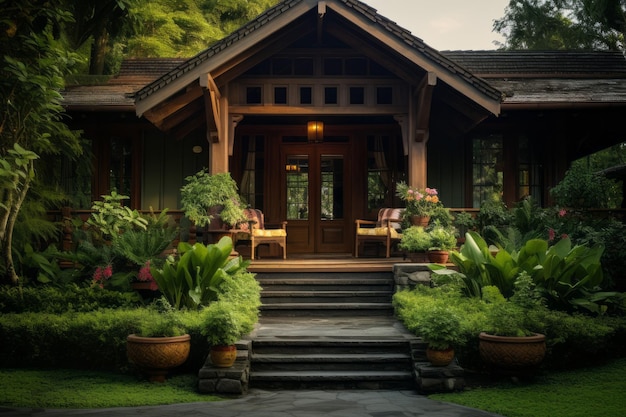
441, 328
415, 242
226, 323
419, 203
509, 343
160, 345
205, 198
442, 241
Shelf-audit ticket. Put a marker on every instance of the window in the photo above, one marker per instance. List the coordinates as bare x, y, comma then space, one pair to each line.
281, 66
280, 95
254, 95
487, 169
333, 66
251, 187
304, 67
330, 95
384, 95
306, 95
357, 95
356, 66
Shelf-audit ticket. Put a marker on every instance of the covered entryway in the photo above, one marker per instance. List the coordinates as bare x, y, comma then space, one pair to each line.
318, 186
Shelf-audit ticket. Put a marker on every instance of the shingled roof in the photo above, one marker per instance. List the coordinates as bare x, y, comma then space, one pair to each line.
541, 64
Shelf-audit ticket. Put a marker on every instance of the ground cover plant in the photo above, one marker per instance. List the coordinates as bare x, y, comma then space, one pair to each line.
63, 388
597, 391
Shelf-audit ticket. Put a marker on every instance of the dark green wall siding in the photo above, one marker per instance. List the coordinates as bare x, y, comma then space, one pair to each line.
446, 169
166, 163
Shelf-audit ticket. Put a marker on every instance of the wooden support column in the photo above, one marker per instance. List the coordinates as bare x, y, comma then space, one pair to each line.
419, 131
217, 125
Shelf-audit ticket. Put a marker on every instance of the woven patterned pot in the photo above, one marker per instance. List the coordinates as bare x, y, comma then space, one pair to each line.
512, 352
155, 356
440, 357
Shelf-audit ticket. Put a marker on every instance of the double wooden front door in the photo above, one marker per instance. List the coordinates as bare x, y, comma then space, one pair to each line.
316, 197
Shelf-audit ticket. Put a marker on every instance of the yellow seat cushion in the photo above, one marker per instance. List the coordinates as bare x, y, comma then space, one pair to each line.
377, 231
270, 233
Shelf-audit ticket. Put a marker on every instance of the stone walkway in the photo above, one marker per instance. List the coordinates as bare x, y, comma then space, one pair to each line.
260, 403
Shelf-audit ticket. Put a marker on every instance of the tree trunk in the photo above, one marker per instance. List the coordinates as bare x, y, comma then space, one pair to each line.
6, 241
98, 49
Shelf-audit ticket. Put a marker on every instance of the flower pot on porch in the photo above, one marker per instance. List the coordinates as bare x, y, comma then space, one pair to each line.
438, 256
417, 257
420, 220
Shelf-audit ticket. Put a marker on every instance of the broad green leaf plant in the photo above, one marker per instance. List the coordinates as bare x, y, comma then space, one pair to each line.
192, 280
568, 276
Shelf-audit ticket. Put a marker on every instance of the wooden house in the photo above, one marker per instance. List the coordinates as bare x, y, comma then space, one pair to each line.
318, 108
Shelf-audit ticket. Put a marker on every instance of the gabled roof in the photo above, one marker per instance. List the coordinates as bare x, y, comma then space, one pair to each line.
357, 13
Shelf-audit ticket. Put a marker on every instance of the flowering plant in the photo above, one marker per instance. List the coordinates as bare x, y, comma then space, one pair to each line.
419, 202
145, 275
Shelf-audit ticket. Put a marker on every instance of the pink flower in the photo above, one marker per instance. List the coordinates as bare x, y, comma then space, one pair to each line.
564, 236
107, 272
562, 213
144, 273
551, 234
97, 275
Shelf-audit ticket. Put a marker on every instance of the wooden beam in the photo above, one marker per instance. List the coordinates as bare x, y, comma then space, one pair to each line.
376, 54
172, 105
181, 115
424, 93
212, 97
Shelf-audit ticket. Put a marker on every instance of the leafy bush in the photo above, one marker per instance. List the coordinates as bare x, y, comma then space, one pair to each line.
583, 188
569, 337
70, 298
95, 340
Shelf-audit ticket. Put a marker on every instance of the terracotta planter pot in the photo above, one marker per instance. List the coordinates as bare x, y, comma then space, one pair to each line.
512, 353
417, 257
440, 357
420, 220
438, 256
223, 356
155, 356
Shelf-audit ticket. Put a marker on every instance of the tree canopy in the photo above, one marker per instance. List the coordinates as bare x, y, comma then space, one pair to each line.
563, 24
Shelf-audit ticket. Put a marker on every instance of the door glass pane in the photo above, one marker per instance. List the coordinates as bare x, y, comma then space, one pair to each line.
332, 187
297, 173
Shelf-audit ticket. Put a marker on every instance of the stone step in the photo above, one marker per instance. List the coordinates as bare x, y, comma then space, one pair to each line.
334, 283
331, 345
332, 362
326, 309
333, 380
321, 296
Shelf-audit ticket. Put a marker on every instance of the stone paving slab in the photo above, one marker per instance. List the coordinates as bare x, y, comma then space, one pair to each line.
260, 403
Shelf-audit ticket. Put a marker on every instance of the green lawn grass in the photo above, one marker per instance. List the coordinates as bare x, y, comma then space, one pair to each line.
92, 389
597, 391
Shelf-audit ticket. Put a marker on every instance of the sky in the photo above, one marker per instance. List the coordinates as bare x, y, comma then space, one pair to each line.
446, 24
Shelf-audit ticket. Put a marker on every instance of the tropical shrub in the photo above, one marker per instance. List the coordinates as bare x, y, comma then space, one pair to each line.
192, 278
568, 276
414, 239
